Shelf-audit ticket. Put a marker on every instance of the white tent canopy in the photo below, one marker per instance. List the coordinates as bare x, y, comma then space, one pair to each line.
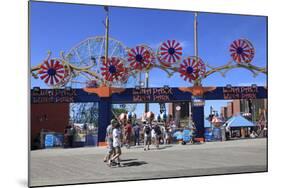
238, 121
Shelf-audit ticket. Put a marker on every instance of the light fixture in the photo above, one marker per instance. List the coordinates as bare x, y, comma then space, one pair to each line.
36, 90
254, 86
166, 87
68, 88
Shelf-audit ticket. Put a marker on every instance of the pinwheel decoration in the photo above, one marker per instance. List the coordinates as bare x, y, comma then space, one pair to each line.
53, 72
169, 52
192, 68
113, 69
242, 51
140, 58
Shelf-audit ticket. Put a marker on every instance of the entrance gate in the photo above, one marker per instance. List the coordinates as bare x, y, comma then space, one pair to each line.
105, 67
146, 95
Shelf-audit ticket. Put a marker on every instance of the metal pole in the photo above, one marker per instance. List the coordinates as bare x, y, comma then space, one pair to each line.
140, 81
106, 33
195, 51
195, 35
189, 118
146, 85
196, 82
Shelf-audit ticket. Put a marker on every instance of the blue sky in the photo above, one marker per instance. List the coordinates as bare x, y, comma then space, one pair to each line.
58, 27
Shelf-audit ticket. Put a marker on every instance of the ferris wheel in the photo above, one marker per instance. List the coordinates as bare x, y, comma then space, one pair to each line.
126, 107
89, 55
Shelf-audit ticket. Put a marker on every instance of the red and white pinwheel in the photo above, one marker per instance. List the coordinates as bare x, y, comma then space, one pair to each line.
192, 68
113, 69
169, 52
52, 72
242, 51
140, 58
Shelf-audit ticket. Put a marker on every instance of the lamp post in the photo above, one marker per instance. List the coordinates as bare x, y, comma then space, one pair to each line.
146, 86
106, 33
196, 82
195, 35
197, 110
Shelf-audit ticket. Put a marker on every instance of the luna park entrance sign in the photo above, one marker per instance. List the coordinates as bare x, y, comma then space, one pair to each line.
104, 79
106, 71
150, 95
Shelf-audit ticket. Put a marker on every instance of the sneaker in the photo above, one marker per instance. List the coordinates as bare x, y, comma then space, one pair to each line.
109, 163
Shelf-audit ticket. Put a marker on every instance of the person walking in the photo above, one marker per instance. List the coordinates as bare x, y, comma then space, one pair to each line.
147, 136
128, 133
163, 134
123, 122
109, 140
166, 135
157, 131
116, 134
136, 129
153, 134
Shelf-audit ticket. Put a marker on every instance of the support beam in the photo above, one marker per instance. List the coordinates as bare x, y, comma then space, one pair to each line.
198, 119
105, 116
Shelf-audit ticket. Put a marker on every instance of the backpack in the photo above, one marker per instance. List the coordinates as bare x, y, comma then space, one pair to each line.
147, 129
157, 130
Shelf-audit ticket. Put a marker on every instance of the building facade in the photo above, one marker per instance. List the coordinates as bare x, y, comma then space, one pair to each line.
49, 117
181, 114
252, 107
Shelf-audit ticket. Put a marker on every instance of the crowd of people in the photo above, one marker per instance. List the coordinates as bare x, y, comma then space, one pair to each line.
126, 131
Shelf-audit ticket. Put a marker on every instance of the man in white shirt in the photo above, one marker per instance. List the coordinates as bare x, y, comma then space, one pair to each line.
116, 134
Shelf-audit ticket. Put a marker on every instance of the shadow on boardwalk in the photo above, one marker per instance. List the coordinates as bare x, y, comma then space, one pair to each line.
130, 163
134, 163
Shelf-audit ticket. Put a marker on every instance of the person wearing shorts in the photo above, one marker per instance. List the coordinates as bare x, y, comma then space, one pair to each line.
127, 133
157, 132
116, 134
147, 136
109, 140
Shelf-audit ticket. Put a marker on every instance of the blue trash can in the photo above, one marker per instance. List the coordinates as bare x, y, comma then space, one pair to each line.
49, 141
186, 135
